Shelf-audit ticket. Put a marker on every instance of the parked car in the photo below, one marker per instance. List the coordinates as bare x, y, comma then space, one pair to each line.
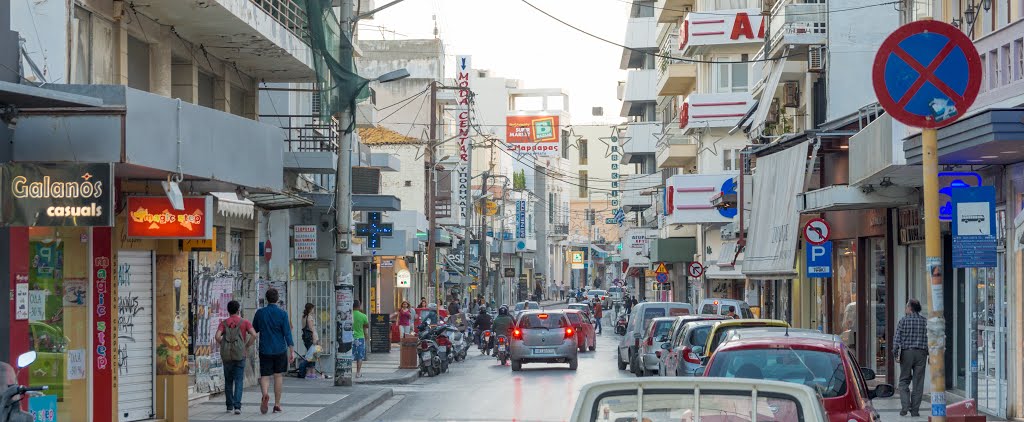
679, 399
820, 361
648, 356
586, 334
687, 342
541, 336
723, 328
639, 318
720, 306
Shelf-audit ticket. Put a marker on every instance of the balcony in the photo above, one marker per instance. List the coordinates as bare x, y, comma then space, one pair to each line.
639, 191
703, 32
641, 141
874, 156
678, 152
640, 88
672, 10
559, 230
713, 110
796, 23
675, 77
1002, 66
641, 34
265, 38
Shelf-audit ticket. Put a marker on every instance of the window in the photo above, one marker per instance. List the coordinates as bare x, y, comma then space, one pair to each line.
584, 183
731, 76
731, 159
205, 89
138, 64
583, 151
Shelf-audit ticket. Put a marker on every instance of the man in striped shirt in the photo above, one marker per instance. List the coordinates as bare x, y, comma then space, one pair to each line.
911, 347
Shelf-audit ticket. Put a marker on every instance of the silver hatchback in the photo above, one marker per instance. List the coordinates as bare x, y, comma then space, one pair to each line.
545, 337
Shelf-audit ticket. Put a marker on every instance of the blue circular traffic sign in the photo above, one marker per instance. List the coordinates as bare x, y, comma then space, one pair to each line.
926, 74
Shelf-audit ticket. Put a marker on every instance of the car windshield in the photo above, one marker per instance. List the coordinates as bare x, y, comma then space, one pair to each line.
669, 405
707, 309
822, 371
532, 305
548, 321
597, 293
519, 306
615, 290
723, 333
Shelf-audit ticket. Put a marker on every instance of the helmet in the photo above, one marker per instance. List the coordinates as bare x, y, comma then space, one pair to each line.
432, 306
483, 310
503, 310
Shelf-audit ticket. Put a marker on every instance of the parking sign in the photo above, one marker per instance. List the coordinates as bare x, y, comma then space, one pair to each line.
819, 260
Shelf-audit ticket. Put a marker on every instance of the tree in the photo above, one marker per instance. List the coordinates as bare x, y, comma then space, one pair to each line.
519, 180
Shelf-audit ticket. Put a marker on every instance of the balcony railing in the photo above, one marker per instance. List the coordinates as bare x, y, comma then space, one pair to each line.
1002, 59
797, 22
289, 13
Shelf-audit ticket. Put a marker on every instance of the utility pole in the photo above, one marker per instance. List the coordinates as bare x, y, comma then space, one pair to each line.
431, 207
485, 281
343, 287
590, 237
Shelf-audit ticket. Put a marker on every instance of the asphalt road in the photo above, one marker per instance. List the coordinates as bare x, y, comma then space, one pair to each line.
481, 389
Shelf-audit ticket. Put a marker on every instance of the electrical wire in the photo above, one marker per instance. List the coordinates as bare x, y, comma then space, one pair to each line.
654, 54
410, 101
826, 12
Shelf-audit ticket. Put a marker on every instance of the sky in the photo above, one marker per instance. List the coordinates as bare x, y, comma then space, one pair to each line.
515, 41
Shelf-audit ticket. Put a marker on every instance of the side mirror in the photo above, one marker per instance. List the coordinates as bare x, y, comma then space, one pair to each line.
663, 338
703, 360
882, 391
698, 350
666, 346
26, 359
867, 373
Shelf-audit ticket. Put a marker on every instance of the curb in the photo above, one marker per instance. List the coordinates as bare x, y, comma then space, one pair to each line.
363, 406
409, 378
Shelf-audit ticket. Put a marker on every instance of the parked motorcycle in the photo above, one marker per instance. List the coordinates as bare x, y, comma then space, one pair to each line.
10, 399
444, 348
459, 342
502, 353
430, 360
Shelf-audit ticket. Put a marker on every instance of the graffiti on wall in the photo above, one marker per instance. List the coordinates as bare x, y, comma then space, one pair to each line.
214, 285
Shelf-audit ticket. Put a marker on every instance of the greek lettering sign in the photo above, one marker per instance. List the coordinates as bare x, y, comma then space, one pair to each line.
56, 194
304, 239
974, 227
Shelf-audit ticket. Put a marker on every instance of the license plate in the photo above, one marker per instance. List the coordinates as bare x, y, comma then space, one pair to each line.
501, 348
543, 351
425, 355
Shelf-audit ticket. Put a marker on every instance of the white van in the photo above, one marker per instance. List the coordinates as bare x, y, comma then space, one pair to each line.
641, 315
720, 306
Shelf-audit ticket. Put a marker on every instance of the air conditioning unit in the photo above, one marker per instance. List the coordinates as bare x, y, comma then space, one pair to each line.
729, 231
791, 94
773, 112
816, 59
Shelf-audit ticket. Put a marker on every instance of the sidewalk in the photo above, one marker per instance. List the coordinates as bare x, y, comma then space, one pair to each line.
303, 400
889, 410
382, 368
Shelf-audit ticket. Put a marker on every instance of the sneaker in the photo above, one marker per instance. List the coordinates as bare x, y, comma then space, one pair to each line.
903, 413
238, 411
277, 409
230, 410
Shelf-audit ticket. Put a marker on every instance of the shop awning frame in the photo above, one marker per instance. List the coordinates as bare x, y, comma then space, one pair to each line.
780, 177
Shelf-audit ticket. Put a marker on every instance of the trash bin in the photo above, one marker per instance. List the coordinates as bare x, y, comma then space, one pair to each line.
407, 358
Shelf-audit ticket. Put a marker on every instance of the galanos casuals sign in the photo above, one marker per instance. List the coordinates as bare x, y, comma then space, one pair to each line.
154, 217
56, 194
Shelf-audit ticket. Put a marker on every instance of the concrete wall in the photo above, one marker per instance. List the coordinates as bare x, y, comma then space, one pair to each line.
48, 48
853, 39
409, 183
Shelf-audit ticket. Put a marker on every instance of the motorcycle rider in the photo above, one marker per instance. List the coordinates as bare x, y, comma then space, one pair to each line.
502, 324
483, 323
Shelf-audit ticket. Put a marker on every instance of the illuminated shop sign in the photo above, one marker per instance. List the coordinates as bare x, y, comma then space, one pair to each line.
954, 179
56, 194
154, 217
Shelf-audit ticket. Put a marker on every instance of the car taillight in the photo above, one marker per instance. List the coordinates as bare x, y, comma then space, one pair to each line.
689, 356
443, 341
517, 334
569, 332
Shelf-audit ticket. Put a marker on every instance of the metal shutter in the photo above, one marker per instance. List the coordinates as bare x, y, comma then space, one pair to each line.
135, 393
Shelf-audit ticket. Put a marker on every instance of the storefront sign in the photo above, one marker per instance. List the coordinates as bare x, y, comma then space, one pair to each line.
520, 219
403, 279
537, 135
974, 227
102, 307
43, 408
463, 67
56, 194
304, 238
153, 217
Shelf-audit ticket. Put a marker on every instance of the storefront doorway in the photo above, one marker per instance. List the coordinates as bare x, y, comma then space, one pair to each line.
985, 356
135, 333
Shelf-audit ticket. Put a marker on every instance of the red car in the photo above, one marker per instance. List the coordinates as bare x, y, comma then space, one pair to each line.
820, 361
586, 334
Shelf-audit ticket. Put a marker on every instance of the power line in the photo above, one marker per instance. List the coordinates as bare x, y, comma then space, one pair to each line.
663, 56
410, 101
826, 12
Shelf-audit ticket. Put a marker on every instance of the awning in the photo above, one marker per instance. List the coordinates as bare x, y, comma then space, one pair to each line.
229, 205
279, 200
768, 91
774, 221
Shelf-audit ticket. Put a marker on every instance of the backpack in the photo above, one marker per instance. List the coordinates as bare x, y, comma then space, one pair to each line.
232, 347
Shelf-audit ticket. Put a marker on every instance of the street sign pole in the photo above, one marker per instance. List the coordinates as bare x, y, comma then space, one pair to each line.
933, 262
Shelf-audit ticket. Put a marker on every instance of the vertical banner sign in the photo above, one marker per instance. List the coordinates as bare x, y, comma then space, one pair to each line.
520, 219
974, 227
102, 306
304, 239
463, 66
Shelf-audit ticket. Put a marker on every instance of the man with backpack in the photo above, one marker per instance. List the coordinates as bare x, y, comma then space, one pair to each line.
234, 335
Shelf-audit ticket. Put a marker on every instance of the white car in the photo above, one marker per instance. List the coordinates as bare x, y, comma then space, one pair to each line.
680, 399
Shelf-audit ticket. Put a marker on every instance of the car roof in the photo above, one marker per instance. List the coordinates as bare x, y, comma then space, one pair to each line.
776, 332
782, 342
659, 304
585, 408
750, 322
702, 317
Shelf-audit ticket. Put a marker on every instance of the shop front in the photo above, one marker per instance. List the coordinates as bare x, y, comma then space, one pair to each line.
57, 263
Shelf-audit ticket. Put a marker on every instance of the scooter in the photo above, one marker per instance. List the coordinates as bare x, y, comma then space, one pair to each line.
459, 343
485, 342
620, 325
10, 408
430, 362
502, 353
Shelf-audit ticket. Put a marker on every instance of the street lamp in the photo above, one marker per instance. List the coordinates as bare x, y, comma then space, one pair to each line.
393, 75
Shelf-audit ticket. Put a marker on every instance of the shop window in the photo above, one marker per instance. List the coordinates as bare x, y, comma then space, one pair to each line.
844, 293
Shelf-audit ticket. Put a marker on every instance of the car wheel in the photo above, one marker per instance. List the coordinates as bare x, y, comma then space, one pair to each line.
573, 364
517, 365
622, 365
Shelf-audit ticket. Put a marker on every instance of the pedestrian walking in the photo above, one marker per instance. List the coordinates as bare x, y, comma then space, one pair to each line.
629, 305
561, 292
911, 348
234, 336
310, 340
598, 313
276, 348
537, 293
404, 317
360, 325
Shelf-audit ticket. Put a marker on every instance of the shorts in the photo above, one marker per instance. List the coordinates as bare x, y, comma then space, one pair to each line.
273, 364
358, 349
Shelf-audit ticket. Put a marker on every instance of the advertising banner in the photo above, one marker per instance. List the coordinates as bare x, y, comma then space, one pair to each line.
538, 135
520, 219
463, 176
56, 194
153, 217
304, 238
